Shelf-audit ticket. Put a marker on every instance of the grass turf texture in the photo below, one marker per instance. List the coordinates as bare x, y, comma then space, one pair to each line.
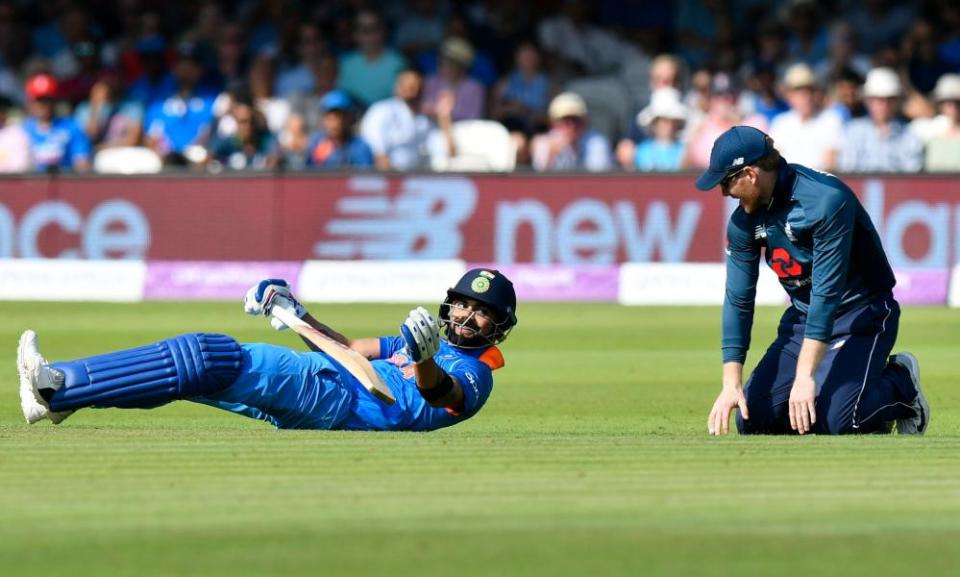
591, 458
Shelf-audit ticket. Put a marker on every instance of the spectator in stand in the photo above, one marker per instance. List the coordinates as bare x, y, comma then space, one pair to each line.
229, 61
949, 49
807, 134
14, 143
770, 51
845, 95
400, 135
807, 38
299, 78
666, 71
107, 119
89, 71
156, 83
250, 146
843, 53
943, 148
521, 98
266, 21
699, 25
575, 47
663, 120
55, 142
14, 48
879, 23
570, 144
73, 26
451, 78
208, 31
919, 53
183, 119
325, 80
880, 142
482, 70
421, 27
761, 95
336, 147
275, 110
368, 73
722, 114
293, 141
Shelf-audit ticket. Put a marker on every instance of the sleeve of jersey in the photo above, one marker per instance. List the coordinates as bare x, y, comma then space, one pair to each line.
743, 269
476, 379
832, 238
390, 345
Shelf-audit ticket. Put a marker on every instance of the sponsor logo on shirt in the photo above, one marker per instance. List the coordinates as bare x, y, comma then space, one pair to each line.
784, 264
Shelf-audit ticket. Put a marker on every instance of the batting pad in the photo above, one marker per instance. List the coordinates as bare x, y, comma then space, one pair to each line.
186, 366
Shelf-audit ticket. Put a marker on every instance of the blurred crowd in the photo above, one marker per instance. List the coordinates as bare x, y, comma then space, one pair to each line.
544, 85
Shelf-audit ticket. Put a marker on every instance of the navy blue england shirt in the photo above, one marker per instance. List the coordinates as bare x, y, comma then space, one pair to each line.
821, 243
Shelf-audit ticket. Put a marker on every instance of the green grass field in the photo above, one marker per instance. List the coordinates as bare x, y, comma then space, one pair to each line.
591, 458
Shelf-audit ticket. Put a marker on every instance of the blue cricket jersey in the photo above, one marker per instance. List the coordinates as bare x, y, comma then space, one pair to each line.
473, 368
821, 243
178, 122
61, 143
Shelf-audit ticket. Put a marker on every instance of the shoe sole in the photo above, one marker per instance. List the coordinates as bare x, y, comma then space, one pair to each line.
910, 362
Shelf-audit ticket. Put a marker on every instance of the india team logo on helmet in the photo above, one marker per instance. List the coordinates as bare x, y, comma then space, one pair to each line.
480, 285
490, 288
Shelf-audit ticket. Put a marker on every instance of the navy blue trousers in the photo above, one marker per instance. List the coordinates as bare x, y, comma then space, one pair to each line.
857, 392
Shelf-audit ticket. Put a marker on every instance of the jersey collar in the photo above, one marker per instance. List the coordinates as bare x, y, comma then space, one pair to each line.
786, 175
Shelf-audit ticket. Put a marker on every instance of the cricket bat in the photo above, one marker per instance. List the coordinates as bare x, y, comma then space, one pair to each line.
354, 362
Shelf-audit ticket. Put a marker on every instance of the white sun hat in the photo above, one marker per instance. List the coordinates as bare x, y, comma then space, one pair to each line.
665, 102
948, 88
882, 83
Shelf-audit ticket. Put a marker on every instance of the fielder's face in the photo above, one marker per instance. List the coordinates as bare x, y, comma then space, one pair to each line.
744, 186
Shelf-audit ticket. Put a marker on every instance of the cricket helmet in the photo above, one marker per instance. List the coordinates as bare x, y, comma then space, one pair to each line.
488, 287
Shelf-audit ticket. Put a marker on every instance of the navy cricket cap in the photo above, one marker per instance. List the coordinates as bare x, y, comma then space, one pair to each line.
735, 148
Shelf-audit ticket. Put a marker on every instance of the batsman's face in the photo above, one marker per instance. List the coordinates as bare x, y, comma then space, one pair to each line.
471, 319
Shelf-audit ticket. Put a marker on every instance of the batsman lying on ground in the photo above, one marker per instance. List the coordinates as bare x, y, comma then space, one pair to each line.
436, 382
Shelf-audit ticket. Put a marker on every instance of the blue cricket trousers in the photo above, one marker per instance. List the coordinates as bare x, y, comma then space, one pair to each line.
857, 392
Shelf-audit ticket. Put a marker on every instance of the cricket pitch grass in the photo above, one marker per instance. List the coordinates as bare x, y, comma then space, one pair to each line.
590, 459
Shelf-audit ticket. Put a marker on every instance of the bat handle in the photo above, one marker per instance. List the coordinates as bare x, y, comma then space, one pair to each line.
283, 309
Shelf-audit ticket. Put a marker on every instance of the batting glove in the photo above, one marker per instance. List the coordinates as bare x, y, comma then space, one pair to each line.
421, 334
263, 296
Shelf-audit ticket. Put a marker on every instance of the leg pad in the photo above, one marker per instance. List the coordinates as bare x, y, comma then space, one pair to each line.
182, 367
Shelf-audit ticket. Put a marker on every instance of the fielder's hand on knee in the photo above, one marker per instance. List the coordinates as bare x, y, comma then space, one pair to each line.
421, 334
263, 296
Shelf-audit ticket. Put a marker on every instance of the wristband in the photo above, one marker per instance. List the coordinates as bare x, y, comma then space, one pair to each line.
441, 390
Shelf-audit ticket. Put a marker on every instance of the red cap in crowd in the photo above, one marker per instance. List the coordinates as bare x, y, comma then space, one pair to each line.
41, 86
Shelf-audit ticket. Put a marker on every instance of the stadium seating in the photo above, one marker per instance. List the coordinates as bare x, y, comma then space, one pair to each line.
127, 160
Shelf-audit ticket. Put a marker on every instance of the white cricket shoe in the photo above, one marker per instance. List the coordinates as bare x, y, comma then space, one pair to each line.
36, 374
916, 425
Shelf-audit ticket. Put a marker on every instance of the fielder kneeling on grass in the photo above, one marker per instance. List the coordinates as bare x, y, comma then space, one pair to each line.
436, 382
828, 371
